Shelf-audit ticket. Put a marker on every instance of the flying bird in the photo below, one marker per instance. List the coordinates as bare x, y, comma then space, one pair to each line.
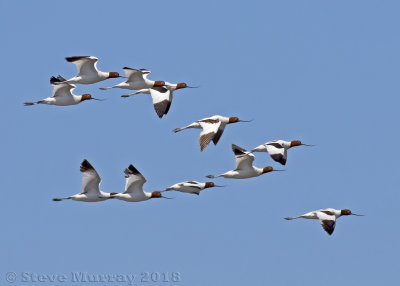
161, 95
213, 127
136, 79
62, 94
87, 71
326, 217
134, 187
90, 186
191, 187
244, 166
278, 149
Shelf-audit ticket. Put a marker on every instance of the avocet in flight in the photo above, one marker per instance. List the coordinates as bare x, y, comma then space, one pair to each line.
134, 187
87, 71
326, 217
212, 126
62, 94
278, 149
244, 166
90, 186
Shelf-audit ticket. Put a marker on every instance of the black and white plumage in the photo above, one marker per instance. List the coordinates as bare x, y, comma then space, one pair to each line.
277, 149
327, 217
87, 70
134, 187
136, 79
62, 94
244, 166
90, 186
161, 96
191, 187
212, 126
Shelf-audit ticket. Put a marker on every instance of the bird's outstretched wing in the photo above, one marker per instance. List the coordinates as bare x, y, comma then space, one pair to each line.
86, 65
327, 221
91, 179
244, 159
162, 99
210, 129
134, 181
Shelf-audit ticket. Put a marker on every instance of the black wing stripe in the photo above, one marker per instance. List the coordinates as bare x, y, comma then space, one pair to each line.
276, 145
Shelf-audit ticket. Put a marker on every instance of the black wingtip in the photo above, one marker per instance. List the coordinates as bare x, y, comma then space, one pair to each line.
131, 170
85, 166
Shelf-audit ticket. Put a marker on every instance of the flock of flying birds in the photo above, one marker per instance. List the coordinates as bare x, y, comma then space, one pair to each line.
212, 129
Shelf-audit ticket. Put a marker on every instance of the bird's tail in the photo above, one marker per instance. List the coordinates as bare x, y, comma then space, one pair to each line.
128, 95
60, 199
33, 103
213, 176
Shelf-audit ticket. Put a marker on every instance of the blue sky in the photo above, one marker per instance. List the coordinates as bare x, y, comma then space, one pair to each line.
322, 72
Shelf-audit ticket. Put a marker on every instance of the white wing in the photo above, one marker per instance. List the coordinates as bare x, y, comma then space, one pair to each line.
244, 159
277, 152
61, 88
90, 180
162, 99
134, 75
210, 129
327, 221
85, 65
134, 181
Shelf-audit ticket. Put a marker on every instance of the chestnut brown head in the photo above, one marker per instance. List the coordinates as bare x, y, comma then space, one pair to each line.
181, 85
345, 212
86, 96
295, 143
267, 169
113, 74
159, 83
156, 195
209, 185
233, 119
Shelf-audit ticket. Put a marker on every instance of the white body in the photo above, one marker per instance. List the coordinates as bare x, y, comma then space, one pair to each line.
191, 187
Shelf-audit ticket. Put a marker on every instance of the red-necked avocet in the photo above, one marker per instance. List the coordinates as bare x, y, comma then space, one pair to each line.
62, 94
278, 149
87, 71
134, 187
136, 79
244, 166
161, 95
191, 187
213, 127
326, 217
90, 186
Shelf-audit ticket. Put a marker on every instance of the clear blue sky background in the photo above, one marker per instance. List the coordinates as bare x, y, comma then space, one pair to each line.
324, 72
